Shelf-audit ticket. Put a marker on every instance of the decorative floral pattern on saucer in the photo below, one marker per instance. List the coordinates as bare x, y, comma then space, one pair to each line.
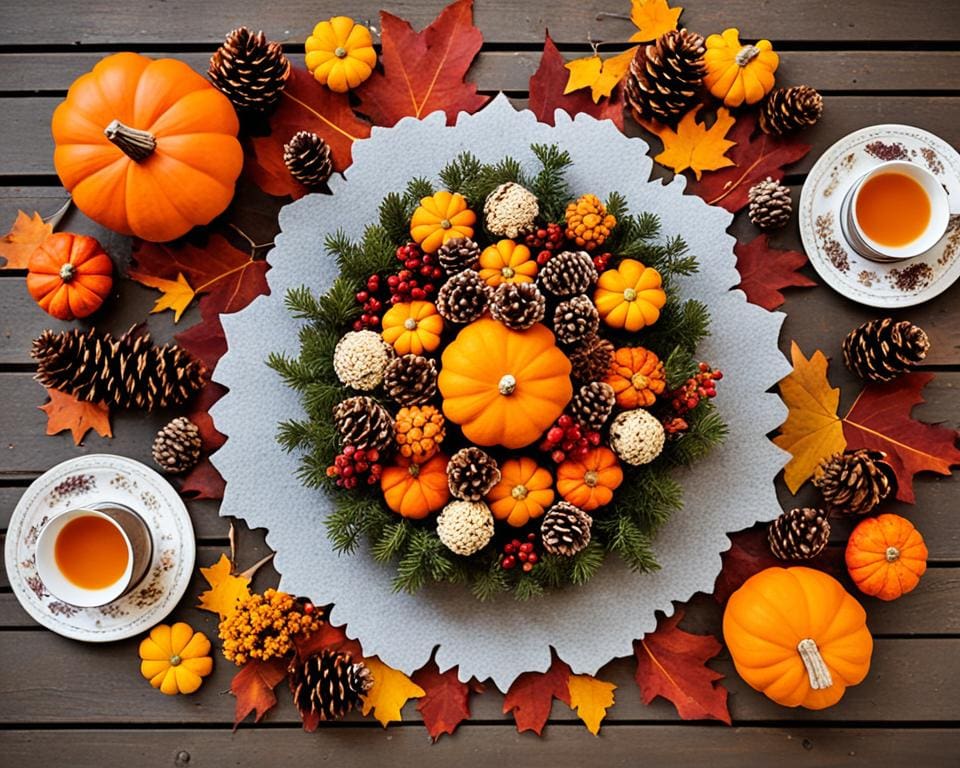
90, 480
895, 284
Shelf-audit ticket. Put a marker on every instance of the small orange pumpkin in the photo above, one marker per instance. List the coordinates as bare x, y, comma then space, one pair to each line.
630, 296
413, 328
886, 556
637, 377
415, 490
738, 73
175, 658
439, 218
340, 53
523, 493
507, 262
589, 482
69, 275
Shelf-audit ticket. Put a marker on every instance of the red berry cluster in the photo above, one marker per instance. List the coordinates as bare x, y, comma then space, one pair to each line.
601, 261
356, 464
684, 399
413, 282
370, 300
546, 240
522, 552
567, 439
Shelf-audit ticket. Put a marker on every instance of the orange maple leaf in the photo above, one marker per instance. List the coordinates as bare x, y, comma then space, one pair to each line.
18, 245
253, 686
652, 18
692, 145
601, 76
67, 412
227, 590
591, 698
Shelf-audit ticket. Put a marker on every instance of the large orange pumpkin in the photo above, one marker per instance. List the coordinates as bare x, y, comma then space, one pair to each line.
69, 275
415, 490
589, 482
796, 635
147, 147
886, 556
504, 387
523, 493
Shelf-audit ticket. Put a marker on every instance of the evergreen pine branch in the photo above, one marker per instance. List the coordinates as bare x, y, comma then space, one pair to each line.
296, 373
395, 218
423, 560
550, 184
319, 397
302, 304
585, 564
683, 324
417, 189
338, 306
706, 431
312, 471
489, 583
391, 541
490, 177
461, 172
527, 587
342, 248
624, 536
617, 207
678, 367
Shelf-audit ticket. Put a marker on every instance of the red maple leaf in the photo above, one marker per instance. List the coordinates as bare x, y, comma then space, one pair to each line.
253, 686
206, 340
765, 270
424, 71
447, 701
203, 480
328, 638
754, 160
531, 696
546, 92
673, 664
265, 167
880, 420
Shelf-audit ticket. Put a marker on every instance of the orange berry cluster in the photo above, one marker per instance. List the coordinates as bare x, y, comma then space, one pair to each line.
264, 627
419, 430
588, 223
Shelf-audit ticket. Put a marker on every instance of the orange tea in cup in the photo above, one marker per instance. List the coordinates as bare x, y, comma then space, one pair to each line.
893, 209
91, 552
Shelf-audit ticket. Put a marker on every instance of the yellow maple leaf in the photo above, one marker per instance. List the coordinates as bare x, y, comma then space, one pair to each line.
599, 75
591, 698
18, 245
226, 589
813, 430
175, 294
391, 689
694, 146
652, 18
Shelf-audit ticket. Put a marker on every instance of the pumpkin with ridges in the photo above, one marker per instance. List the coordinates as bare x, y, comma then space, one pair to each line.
886, 556
69, 275
523, 493
175, 659
415, 490
589, 482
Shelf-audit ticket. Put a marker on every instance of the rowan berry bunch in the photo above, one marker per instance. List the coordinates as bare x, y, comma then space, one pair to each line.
415, 282
567, 439
353, 465
700, 386
544, 241
522, 553
370, 299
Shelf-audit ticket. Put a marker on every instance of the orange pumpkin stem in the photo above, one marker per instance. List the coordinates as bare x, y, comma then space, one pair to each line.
893, 554
746, 54
817, 669
136, 144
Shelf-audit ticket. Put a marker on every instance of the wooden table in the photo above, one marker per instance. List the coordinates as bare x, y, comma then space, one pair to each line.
62, 702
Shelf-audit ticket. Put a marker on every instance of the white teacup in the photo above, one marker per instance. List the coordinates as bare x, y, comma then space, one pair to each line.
935, 229
137, 540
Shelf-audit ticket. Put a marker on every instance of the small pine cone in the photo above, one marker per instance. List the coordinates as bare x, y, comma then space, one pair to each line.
575, 320
176, 447
363, 423
510, 210
790, 109
855, 482
591, 359
518, 305
308, 159
249, 71
411, 379
592, 404
770, 204
800, 534
328, 685
463, 298
880, 350
569, 273
471, 473
665, 76
458, 254
565, 529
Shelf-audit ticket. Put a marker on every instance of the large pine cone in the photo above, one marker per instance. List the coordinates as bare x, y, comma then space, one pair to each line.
800, 534
463, 298
790, 109
411, 379
176, 447
592, 404
575, 320
591, 359
471, 473
249, 71
458, 254
328, 685
569, 273
363, 423
565, 529
518, 305
770, 204
665, 76
855, 482
880, 350
308, 159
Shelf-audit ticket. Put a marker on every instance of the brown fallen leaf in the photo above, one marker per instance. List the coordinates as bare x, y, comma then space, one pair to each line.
253, 687
66, 412
18, 245
532, 693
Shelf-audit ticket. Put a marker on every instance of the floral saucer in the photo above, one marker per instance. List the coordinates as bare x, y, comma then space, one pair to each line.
892, 284
90, 480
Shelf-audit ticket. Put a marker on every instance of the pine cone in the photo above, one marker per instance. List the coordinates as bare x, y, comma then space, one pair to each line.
569, 273
665, 76
128, 372
565, 529
471, 473
176, 447
250, 71
518, 305
880, 350
575, 320
591, 359
800, 534
328, 685
790, 109
363, 423
458, 254
770, 204
463, 298
308, 159
855, 482
592, 404
411, 379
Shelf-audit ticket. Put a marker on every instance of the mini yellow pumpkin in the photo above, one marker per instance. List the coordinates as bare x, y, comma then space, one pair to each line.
340, 53
739, 73
413, 328
507, 262
175, 659
439, 218
630, 296
523, 493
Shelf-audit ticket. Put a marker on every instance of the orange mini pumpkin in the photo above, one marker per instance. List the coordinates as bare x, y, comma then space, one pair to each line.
69, 275
413, 328
630, 296
637, 377
147, 147
589, 482
415, 490
439, 218
886, 556
523, 493
507, 262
